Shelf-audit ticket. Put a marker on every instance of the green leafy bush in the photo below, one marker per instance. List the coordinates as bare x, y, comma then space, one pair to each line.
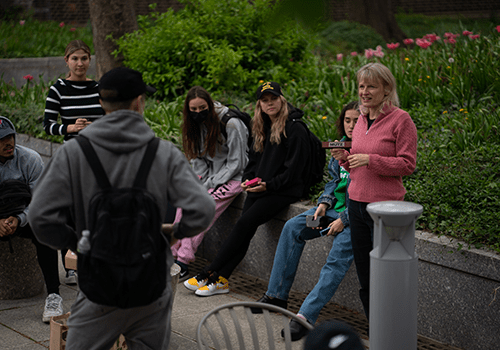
32, 38
223, 45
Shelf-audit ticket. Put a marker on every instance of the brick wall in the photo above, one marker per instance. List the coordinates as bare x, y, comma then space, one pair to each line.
77, 11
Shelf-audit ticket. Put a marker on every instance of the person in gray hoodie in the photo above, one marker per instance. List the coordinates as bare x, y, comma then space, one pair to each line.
20, 169
61, 203
218, 158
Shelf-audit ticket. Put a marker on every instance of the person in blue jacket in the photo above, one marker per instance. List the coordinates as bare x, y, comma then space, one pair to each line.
332, 204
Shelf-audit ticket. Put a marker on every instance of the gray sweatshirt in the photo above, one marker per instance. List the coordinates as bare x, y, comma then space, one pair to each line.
65, 188
230, 158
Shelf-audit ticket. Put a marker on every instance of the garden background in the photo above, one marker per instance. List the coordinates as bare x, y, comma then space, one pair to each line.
448, 75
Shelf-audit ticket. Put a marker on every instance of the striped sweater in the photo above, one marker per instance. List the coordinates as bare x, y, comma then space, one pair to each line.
71, 100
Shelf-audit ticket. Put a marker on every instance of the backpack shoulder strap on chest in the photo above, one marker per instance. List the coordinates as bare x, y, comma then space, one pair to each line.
100, 173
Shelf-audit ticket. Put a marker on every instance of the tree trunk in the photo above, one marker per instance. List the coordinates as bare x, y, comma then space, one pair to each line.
379, 15
110, 17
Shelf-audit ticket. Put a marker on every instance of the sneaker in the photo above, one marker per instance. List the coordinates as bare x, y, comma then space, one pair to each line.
184, 274
197, 281
215, 285
70, 277
297, 331
268, 300
53, 307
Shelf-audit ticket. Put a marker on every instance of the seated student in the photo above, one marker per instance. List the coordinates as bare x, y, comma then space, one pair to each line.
20, 168
279, 152
218, 158
332, 204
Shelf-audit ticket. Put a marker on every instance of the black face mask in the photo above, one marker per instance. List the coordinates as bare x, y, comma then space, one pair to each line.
199, 117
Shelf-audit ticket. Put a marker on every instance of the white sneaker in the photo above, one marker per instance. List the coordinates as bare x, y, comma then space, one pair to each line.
214, 286
53, 307
70, 277
197, 281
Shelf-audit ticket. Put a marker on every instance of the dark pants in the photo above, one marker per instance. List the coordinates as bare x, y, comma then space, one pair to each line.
47, 259
362, 244
256, 211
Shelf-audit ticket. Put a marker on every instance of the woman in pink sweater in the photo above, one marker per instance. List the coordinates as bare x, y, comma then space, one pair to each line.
384, 149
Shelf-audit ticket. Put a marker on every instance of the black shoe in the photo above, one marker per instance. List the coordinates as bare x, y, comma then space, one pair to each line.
267, 300
297, 331
184, 274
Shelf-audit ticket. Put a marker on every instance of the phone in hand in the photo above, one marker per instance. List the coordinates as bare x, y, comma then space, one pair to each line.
321, 221
324, 231
254, 182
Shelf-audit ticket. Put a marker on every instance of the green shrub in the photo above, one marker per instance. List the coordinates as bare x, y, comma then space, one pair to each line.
32, 38
223, 45
345, 36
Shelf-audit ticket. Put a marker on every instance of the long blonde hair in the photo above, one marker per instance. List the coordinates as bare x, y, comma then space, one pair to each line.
377, 72
277, 127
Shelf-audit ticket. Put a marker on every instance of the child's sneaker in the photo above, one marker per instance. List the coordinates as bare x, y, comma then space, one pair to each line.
197, 281
215, 285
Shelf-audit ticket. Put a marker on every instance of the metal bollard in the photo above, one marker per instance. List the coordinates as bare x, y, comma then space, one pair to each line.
393, 276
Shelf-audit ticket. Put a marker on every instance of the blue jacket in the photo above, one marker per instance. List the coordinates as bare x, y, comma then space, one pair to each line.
328, 195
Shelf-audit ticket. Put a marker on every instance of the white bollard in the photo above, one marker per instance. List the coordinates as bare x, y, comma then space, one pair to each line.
393, 276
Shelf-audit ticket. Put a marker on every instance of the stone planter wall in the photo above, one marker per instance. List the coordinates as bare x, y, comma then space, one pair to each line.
459, 290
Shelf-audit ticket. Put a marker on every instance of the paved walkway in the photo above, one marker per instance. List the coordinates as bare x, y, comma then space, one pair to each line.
21, 325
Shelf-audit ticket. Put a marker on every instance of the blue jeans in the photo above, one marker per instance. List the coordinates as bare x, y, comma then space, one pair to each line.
290, 246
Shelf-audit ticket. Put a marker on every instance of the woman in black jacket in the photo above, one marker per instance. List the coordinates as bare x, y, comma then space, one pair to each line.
278, 157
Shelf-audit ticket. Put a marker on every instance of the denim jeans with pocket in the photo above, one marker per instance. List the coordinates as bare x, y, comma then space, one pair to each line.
286, 260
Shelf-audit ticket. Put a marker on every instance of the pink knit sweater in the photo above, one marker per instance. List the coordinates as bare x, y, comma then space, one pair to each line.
391, 143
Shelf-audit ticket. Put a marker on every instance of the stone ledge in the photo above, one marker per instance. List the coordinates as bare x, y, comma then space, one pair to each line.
458, 297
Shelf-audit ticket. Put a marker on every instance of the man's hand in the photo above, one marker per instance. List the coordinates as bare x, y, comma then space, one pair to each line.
8, 226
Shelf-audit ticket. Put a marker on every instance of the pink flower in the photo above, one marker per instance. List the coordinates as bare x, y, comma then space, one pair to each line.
22, 22
474, 37
340, 57
466, 33
378, 52
61, 24
28, 77
450, 41
498, 28
423, 43
72, 29
431, 37
451, 35
369, 53
408, 41
392, 46
354, 53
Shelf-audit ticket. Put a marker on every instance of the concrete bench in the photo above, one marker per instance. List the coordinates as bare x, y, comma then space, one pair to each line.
459, 290
20, 274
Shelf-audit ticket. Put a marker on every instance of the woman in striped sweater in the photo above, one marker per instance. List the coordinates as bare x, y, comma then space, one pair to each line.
75, 98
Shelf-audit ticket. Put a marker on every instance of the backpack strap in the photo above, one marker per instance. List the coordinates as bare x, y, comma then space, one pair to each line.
94, 162
147, 161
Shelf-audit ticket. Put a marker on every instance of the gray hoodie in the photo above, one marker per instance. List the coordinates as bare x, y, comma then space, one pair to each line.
66, 186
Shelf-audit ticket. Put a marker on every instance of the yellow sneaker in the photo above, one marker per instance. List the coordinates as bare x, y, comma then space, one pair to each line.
215, 285
197, 281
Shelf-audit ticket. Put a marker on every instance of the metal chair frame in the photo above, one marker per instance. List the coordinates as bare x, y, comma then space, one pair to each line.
251, 318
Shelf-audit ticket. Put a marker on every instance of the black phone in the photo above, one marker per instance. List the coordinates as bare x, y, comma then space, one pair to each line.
321, 221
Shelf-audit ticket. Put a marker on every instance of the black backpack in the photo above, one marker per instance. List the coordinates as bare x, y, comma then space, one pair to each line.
243, 116
316, 163
126, 265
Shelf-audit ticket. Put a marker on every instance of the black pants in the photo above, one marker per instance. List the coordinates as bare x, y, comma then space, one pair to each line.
362, 244
47, 259
256, 211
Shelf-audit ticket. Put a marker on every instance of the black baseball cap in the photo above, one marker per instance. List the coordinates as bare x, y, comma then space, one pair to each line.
122, 84
333, 335
6, 127
271, 87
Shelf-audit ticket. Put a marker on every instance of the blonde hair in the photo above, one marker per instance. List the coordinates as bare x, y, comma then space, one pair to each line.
377, 72
73, 46
277, 127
